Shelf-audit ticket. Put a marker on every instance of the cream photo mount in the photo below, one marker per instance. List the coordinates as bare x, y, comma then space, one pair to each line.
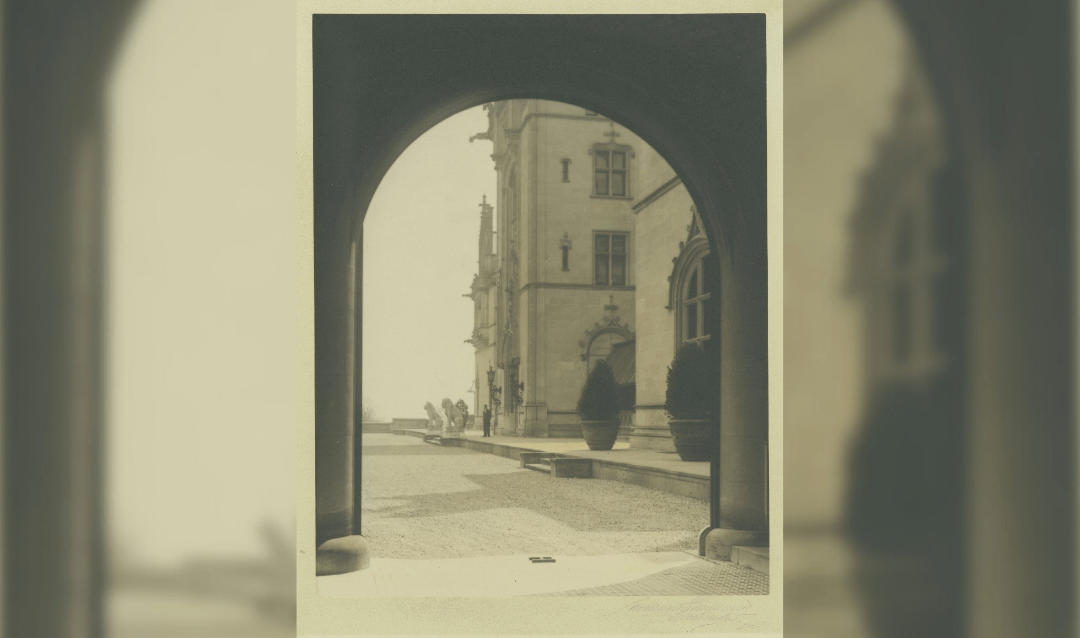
753, 220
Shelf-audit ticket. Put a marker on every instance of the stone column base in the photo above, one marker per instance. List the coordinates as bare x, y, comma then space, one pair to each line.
536, 420
651, 431
342, 555
702, 536
652, 437
719, 541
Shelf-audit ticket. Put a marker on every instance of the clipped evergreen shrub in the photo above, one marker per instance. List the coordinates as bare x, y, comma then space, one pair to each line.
691, 385
599, 397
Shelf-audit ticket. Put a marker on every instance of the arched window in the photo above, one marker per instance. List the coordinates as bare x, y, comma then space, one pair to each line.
902, 244
603, 336
911, 269
693, 300
694, 288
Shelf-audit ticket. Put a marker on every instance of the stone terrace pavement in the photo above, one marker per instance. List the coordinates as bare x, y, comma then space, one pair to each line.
445, 521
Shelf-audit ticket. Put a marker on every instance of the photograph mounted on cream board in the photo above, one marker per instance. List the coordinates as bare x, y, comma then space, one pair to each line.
540, 321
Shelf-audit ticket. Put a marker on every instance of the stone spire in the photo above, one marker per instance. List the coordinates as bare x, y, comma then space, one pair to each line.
487, 238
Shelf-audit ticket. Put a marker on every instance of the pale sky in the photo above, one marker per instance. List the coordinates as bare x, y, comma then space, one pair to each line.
420, 254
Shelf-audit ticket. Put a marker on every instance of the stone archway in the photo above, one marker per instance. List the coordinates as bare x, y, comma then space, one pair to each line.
381, 81
602, 336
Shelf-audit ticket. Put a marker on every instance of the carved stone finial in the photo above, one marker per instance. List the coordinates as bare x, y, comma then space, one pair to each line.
611, 307
612, 133
694, 229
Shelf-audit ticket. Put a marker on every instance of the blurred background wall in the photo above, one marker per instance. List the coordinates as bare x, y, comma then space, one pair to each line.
201, 299
843, 72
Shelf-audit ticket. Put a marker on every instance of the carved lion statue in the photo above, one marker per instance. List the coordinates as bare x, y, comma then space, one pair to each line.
453, 415
435, 420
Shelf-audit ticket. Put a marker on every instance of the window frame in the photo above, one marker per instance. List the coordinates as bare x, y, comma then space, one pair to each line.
701, 333
608, 149
910, 267
610, 253
692, 259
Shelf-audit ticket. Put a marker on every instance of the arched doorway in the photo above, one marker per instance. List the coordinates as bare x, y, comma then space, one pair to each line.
720, 154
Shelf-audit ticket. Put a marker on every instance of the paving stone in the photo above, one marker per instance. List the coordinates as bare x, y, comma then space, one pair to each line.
415, 450
433, 502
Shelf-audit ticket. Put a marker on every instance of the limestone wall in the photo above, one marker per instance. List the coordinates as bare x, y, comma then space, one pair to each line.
661, 226
557, 306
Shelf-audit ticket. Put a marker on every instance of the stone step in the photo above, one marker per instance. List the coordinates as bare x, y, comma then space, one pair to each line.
539, 467
755, 558
433, 439
536, 457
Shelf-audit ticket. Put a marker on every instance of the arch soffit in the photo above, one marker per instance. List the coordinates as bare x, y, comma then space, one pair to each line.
719, 222
700, 162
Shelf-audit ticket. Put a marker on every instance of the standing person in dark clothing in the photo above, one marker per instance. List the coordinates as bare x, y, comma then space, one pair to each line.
487, 421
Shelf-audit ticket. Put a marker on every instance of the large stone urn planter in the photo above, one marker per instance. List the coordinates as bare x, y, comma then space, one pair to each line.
692, 438
600, 435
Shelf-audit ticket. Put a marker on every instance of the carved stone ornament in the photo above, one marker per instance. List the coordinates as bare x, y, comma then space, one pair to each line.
609, 323
489, 134
694, 247
611, 145
692, 231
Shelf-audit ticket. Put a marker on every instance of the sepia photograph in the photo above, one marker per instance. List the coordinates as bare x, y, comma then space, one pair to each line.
541, 313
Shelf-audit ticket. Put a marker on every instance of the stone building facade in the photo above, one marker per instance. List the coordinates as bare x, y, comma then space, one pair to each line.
588, 253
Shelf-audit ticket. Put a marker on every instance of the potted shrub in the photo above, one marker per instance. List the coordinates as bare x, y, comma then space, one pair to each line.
691, 402
598, 408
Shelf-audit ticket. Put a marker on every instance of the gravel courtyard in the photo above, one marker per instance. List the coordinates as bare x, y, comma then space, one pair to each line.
425, 501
